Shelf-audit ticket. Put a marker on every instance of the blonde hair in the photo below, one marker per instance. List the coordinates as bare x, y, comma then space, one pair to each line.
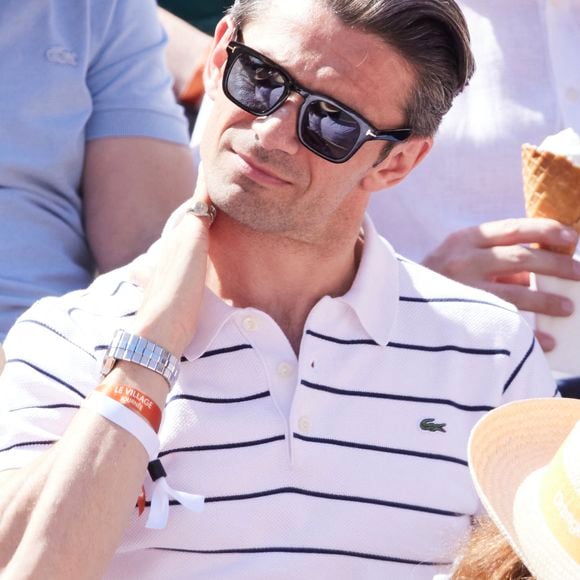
488, 555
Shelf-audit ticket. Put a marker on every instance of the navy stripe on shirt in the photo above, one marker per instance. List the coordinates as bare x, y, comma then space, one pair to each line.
55, 406
335, 497
328, 496
223, 446
519, 367
388, 396
46, 374
382, 449
27, 444
455, 300
219, 400
419, 347
299, 550
219, 351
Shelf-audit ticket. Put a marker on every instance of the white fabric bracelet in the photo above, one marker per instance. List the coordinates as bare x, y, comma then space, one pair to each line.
162, 494
126, 419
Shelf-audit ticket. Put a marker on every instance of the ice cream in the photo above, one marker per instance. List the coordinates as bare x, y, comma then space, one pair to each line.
552, 180
552, 188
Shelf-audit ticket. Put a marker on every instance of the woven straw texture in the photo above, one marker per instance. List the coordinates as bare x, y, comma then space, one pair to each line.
508, 450
551, 188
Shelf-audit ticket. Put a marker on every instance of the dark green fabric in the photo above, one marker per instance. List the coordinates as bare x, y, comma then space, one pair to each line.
203, 14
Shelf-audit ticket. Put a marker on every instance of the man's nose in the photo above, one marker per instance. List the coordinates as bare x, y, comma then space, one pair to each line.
277, 131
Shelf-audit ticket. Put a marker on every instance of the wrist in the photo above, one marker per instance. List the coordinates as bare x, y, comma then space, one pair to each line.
146, 380
142, 352
162, 331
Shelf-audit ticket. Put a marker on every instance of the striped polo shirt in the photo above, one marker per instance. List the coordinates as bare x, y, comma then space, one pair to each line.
346, 462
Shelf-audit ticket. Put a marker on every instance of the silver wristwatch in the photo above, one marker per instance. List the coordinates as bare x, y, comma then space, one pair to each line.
139, 350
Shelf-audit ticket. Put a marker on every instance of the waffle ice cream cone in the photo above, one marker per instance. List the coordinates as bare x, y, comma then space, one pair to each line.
552, 187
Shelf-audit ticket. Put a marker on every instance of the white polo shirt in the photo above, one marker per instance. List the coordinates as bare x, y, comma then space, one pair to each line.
346, 462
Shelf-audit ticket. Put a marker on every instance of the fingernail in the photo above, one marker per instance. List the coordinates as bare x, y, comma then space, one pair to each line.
567, 306
576, 268
568, 235
547, 343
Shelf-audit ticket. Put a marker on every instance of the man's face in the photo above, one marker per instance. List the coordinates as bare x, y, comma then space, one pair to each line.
257, 170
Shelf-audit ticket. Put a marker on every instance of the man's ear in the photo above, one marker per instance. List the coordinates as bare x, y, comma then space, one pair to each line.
217, 56
398, 163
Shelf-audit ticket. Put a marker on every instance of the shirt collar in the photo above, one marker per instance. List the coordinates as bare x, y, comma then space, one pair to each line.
213, 315
374, 294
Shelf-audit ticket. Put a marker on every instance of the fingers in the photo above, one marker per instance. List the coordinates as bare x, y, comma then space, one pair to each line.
176, 277
200, 193
494, 250
531, 300
199, 205
546, 341
543, 231
505, 260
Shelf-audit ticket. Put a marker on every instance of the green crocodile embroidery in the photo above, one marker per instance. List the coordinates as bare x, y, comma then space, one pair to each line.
428, 425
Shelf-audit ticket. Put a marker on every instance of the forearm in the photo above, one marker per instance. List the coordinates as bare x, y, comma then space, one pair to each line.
64, 515
131, 186
186, 48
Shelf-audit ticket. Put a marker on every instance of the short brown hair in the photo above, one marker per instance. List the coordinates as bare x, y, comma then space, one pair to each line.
431, 35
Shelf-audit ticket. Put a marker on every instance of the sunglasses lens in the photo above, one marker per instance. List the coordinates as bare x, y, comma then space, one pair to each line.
329, 130
255, 85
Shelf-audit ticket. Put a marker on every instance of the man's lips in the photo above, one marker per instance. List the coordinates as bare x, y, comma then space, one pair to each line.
258, 172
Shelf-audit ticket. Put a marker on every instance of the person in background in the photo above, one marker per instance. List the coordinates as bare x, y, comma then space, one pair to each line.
525, 461
190, 26
93, 153
462, 212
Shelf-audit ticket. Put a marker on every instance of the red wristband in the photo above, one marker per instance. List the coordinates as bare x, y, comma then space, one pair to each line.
134, 400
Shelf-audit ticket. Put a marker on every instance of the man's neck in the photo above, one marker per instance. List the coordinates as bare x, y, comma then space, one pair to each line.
282, 277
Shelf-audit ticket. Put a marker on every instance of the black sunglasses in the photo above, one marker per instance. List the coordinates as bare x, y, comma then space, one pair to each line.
328, 128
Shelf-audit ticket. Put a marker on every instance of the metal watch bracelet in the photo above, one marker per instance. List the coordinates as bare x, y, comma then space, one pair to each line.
141, 351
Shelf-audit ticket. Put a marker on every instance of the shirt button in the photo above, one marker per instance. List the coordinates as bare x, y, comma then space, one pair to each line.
285, 370
250, 323
304, 424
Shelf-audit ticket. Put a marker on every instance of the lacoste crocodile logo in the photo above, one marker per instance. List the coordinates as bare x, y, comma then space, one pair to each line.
61, 55
428, 425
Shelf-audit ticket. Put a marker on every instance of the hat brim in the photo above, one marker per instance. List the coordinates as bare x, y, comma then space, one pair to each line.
509, 446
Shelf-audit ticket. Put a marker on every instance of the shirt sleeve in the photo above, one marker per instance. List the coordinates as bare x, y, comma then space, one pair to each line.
528, 375
54, 353
128, 78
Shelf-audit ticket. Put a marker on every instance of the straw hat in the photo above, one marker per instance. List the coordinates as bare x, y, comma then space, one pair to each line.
524, 458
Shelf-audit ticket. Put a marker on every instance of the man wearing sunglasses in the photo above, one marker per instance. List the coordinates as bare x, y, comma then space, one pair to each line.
326, 387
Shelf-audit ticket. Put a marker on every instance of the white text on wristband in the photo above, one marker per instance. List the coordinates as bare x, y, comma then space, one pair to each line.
135, 400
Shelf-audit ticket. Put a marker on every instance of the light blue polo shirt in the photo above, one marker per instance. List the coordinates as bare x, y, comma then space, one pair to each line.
70, 71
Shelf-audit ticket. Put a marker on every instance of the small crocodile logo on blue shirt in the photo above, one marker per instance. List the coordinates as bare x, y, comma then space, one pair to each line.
61, 55
429, 425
